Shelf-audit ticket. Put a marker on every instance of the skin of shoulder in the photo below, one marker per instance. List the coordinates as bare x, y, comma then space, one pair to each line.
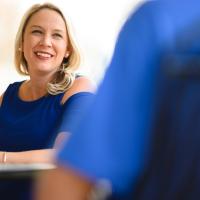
1, 98
81, 84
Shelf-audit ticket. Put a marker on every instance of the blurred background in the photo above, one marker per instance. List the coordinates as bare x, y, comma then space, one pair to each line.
95, 23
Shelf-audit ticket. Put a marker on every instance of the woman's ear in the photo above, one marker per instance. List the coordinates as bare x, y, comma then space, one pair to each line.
67, 54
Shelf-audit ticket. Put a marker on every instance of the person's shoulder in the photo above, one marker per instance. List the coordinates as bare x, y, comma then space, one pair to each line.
81, 84
9, 89
15, 84
144, 11
152, 8
1, 98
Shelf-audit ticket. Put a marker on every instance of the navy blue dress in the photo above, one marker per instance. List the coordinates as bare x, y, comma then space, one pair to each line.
31, 125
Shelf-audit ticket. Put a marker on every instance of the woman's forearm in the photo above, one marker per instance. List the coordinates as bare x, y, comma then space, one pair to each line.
33, 156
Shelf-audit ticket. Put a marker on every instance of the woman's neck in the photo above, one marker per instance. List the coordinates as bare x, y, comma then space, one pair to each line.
33, 89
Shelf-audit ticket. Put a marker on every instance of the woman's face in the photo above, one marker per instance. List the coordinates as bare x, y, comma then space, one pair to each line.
45, 42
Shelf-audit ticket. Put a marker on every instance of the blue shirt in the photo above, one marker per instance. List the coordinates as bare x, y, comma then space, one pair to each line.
142, 131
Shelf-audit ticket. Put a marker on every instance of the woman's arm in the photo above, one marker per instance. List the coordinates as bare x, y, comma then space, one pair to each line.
33, 156
62, 136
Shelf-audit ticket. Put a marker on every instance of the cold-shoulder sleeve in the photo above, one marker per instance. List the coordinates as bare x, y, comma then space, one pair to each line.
74, 109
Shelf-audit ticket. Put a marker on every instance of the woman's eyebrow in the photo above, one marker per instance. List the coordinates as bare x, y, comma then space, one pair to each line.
36, 26
56, 30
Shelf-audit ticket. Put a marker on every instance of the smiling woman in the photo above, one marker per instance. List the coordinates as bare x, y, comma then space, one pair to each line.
45, 43
54, 32
31, 110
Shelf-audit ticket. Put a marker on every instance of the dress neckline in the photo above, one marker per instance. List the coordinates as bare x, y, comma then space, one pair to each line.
26, 101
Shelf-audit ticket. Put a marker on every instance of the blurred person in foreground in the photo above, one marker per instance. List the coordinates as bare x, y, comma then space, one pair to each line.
142, 131
31, 110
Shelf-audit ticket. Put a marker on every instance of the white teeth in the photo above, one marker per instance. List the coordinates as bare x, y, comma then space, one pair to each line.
45, 55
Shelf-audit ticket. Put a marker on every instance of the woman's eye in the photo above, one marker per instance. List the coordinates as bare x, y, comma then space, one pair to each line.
37, 32
57, 35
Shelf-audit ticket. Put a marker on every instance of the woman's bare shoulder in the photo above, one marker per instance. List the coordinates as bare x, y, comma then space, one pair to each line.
81, 84
1, 99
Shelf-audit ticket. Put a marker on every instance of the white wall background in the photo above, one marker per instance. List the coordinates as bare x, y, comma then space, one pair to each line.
95, 22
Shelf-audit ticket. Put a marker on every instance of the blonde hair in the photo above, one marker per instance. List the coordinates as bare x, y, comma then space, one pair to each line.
65, 76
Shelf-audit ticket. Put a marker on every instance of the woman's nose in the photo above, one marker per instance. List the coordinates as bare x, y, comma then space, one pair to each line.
46, 41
